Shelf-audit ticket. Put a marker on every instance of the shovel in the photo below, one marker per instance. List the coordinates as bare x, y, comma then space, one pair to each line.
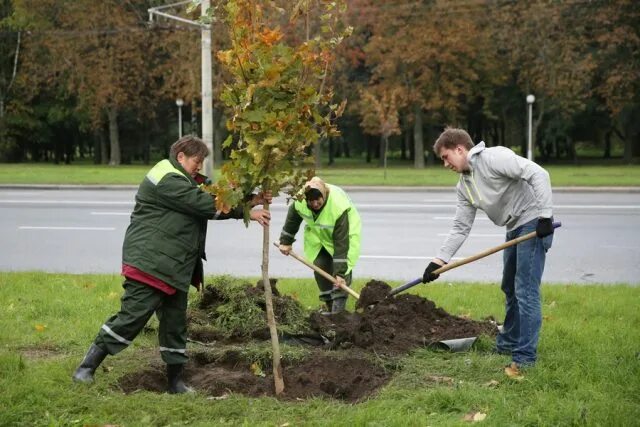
322, 273
467, 260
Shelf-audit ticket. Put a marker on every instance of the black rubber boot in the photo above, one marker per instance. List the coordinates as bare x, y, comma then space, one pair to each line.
328, 308
338, 305
176, 383
93, 359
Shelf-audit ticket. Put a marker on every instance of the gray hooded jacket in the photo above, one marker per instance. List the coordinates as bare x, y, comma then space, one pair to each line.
510, 189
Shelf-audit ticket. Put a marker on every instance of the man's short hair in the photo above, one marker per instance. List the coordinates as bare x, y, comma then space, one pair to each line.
451, 138
191, 146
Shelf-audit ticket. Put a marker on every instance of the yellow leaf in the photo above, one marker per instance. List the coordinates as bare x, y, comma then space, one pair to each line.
113, 295
256, 370
440, 379
474, 417
269, 37
40, 328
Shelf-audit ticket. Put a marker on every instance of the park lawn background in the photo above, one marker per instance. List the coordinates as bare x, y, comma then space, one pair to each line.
343, 174
588, 372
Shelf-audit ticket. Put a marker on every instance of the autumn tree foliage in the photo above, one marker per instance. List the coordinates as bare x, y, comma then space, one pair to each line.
101, 53
432, 54
471, 63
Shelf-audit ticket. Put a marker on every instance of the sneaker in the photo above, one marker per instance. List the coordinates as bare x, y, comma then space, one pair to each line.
512, 370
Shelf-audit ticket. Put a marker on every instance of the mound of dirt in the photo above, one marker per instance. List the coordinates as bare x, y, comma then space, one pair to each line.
381, 326
395, 325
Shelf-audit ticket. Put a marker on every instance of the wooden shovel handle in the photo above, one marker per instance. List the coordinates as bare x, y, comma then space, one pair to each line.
472, 258
490, 251
322, 273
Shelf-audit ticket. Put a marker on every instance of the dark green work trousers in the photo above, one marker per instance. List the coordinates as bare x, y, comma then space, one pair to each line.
138, 303
328, 292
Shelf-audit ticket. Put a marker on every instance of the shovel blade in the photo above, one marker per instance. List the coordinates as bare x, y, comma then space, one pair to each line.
406, 286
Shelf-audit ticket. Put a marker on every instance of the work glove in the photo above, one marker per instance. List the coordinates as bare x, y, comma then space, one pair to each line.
544, 227
428, 275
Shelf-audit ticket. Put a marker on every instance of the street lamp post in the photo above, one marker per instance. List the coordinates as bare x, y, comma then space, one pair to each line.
530, 100
207, 98
179, 103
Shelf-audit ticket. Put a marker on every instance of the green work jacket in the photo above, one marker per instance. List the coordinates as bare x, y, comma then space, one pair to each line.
320, 230
168, 229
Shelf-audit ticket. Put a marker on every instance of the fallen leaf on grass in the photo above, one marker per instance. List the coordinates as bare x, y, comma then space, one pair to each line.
492, 383
285, 425
221, 397
40, 328
474, 417
440, 379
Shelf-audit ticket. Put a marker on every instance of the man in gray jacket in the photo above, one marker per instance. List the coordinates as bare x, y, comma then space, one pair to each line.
516, 193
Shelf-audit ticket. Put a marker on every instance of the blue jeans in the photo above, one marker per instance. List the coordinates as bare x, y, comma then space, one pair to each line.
521, 277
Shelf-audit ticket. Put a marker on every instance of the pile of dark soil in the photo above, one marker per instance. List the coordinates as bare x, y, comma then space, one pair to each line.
347, 367
395, 325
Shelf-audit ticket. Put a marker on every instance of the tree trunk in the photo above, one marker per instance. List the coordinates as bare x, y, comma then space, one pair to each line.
114, 140
418, 141
406, 140
607, 144
271, 320
368, 143
104, 149
385, 144
146, 148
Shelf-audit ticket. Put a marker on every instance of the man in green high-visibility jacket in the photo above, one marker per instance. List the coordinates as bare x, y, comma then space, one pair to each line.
331, 237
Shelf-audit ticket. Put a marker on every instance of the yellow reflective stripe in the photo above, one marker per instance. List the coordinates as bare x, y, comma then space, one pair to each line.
287, 234
109, 331
161, 169
473, 181
468, 191
173, 350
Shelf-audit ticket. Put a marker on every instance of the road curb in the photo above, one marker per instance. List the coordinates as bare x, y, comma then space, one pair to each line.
349, 188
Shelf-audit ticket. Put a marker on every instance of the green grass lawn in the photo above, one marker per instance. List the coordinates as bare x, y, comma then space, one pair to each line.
588, 371
342, 174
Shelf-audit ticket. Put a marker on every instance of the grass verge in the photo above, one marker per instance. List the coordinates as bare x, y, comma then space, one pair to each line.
578, 176
588, 373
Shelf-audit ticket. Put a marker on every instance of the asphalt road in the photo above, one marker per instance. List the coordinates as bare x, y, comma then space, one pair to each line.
81, 231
